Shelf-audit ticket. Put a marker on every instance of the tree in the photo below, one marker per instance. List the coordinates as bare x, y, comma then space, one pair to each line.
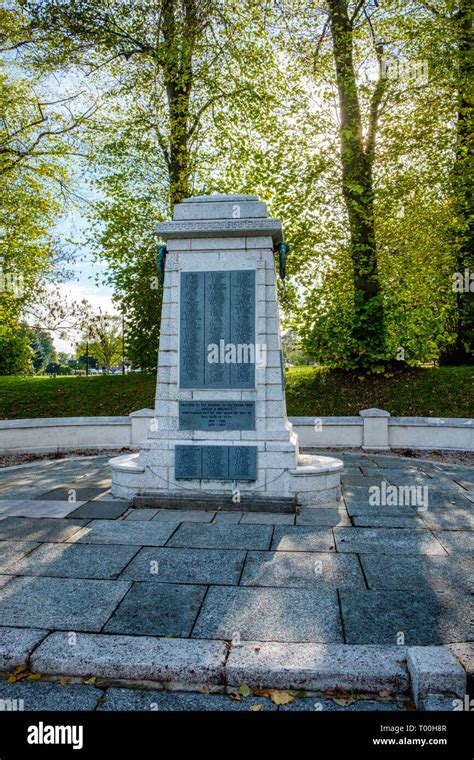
103, 336
35, 144
43, 348
166, 52
169, 70
357, 157
15, 354
461, 350
380, 249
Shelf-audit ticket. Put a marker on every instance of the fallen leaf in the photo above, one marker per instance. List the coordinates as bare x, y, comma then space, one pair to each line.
261, 692
343, 702
384, 693
19, 669
337, 693
236, 697
256, 708
244, 690
205, 689
64, 681
33, 677
281, 697
90, 681
19, 676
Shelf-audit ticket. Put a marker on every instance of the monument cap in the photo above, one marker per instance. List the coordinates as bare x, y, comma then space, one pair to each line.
221, 216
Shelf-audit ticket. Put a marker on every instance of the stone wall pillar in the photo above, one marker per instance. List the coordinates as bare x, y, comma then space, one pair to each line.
375, 434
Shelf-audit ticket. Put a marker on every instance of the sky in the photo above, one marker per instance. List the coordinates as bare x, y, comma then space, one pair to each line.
83, 284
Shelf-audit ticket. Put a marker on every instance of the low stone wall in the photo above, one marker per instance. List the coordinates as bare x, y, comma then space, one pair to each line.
373, 429
64, 434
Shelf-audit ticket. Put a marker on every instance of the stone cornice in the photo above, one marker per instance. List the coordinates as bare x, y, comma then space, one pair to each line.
221, 228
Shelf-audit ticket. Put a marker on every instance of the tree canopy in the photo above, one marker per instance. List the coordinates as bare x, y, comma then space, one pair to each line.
351, 118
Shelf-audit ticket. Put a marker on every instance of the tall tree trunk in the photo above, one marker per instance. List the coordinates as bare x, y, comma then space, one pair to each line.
462, 351
368, 329
180, 38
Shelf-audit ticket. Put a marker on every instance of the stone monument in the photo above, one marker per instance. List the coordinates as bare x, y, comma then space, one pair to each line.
220, 434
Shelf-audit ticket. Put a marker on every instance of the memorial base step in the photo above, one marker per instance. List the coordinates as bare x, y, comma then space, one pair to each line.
217, 503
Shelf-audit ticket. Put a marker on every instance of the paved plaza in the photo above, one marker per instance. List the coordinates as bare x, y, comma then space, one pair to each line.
353, 572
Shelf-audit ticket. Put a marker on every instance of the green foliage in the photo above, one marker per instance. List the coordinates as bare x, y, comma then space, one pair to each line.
311, 391
371, 175
15, 354
103, 337
426, 392
42, 347
33, 173
56, 368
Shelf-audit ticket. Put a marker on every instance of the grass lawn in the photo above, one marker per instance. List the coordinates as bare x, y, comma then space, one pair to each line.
430, 392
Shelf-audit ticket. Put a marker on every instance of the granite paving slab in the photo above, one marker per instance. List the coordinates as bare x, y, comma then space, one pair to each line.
16, 645
64, 603
438, 499
19, 492
387, 541
438, 703
410, 479
372, 471
39, 529
44, 696
324, 516
445, 483
141, 514
395, 521
303, 539
421, 617
146, 658
81, 493
456, 542
6, 504
465, 654
41, 508
168, 565
319, 667
158, 609
139, 699
302, 569
76, 561
227, 518
358, 507
387, 571
266, 518
269, 614
12, 551
124, 532
465, 482
363, 480
182, 515
222, 536
105, 510
451, 519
